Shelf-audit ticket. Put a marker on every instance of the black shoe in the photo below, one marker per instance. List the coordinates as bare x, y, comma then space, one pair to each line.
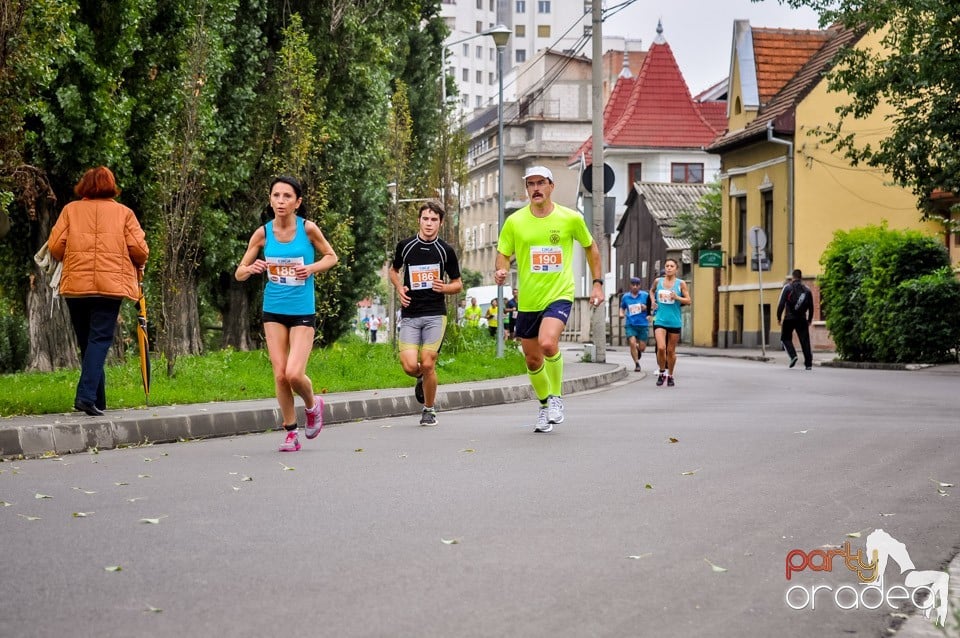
89, 408
670, 382
661, 378
793, 361
418, 390
636, 368
809, 368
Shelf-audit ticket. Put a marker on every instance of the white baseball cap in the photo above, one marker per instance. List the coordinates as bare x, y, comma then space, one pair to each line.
538, 171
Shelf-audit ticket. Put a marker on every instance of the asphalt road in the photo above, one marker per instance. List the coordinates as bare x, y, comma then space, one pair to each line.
555, 534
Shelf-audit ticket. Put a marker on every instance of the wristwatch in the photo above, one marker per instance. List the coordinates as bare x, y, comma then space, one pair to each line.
598, 281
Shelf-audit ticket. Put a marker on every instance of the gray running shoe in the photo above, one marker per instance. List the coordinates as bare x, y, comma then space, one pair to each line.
543, 424
428, 417
555, 409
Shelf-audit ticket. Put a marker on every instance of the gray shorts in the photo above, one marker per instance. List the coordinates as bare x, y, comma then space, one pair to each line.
422, 333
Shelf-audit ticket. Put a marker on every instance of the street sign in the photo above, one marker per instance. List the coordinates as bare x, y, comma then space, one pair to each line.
757, 237
759, 258
710, 259
587, 179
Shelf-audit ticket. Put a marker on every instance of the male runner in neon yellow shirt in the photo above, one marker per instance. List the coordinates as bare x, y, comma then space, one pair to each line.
541, 236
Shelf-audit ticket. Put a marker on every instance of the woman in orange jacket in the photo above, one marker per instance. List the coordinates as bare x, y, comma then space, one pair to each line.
101, 245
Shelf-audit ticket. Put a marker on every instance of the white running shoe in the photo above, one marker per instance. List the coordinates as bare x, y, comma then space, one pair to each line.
543, 424
555, 409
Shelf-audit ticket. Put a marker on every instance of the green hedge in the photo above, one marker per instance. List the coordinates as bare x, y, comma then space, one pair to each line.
14, 341
881, 289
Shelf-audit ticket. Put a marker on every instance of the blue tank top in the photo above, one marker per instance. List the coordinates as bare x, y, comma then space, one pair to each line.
668, 310
284, 293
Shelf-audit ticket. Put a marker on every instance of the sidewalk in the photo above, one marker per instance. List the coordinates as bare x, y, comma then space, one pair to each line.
38, 435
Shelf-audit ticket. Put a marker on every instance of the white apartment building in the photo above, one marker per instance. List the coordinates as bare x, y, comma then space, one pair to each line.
471, 58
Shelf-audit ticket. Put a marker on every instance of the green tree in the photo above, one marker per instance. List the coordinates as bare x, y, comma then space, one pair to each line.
914, 71
701, 225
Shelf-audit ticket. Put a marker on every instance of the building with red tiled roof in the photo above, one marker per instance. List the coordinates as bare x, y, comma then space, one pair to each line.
654, 131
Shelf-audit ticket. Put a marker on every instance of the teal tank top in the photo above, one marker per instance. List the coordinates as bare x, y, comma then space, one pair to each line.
284, 293
668, 310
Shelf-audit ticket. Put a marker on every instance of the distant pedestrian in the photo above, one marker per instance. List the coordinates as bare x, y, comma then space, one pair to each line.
510, 316
473, 314
101, 245
374, 327
421, 264
491, 318
796, 308
667, 294
635, 307
289, 244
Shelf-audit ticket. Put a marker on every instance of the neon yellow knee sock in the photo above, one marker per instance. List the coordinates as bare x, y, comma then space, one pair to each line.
553, 366
540, 383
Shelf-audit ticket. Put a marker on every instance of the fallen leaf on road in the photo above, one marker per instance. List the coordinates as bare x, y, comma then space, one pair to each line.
882, 514
143, 476
673, 440
152, 521
247, 478
82, 514
715, 568
855, 534
152, 609
939, 484
80, 489
450, 541
39, 496
121, 484
5, 504
29, 518
114, 568
690, 472
359, 449
648, 487
468, 450
137, 498
287, 468
639, 556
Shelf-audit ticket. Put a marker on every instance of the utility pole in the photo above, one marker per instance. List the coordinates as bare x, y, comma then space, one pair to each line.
598, 314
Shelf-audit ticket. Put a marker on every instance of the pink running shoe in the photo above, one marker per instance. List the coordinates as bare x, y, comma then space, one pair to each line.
291, 443
314, 418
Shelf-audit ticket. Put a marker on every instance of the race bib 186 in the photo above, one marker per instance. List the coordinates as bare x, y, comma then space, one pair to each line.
546, 259
422, 277
282, 270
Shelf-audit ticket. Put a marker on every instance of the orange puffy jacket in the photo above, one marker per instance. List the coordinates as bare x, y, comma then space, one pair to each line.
101, 245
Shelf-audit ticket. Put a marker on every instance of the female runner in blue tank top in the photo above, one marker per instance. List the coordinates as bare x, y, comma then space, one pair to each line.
289, 244
666, 296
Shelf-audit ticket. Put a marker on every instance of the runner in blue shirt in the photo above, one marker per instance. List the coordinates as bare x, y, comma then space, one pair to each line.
635, 307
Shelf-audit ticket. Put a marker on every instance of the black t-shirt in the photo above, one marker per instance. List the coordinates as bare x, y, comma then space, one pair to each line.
421, 262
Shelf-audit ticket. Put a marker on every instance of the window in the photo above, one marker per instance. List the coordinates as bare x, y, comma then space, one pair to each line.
543, 6
686, 173
466, 75
768, 223
479, 4
543, 30
492, 5
493, 78
521, 6
479, 101
465, 100
520, 31
466, 50
634, 174
479, 75
493, 51
741, 208
520, 56
479, 25
479, 52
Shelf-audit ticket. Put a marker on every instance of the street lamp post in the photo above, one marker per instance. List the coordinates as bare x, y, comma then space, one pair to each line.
501, 35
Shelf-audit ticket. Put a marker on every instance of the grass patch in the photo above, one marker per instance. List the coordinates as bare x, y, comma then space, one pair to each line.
228, 375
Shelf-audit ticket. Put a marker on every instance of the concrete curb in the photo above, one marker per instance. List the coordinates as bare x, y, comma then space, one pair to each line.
55, 434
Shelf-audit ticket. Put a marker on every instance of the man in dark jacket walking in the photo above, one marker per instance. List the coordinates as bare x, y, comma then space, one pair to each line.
796, 309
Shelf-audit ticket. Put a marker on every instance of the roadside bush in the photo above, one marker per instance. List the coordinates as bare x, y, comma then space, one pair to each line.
14, 341
928, 308
869, 289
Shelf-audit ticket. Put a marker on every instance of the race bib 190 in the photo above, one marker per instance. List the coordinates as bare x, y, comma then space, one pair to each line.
635, 308
282, 270
546, 259
422, 277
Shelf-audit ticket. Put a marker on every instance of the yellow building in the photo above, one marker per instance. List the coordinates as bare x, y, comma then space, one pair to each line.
777, 177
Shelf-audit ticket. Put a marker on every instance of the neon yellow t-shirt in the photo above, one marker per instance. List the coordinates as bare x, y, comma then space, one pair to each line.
544, 250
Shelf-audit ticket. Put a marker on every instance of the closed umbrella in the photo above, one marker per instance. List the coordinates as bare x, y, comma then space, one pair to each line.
143, 341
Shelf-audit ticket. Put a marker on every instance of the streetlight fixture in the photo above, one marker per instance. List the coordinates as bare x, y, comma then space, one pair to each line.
500, 35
